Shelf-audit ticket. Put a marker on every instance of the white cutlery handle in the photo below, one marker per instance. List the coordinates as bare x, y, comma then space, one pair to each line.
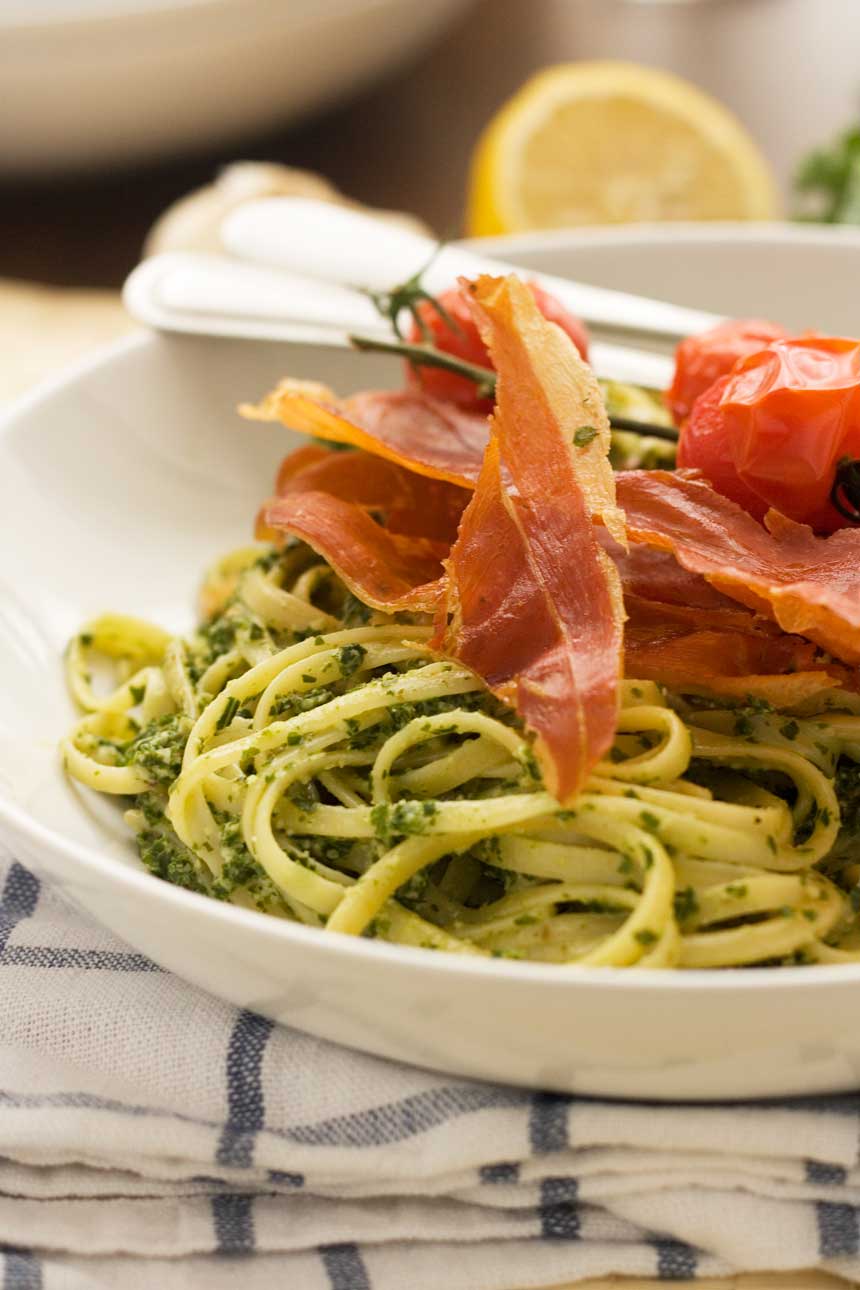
189, 284
184, 291
352, 249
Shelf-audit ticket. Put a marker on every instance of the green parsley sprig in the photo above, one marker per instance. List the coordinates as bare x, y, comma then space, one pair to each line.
827, 182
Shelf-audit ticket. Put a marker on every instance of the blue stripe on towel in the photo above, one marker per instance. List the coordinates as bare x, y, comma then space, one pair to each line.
50, 956
21, 1270
506, 1171
380, 1126
245, 1106
838, 1230
286, 1179
676, 1261
233, 1219
19, 900
548, 1122
345, 1267
559, 1209
823, 1174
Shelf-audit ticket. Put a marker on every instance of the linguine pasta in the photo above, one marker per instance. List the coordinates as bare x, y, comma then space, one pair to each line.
305, 756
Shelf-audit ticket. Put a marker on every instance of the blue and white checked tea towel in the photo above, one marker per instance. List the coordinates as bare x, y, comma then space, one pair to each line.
153, 1136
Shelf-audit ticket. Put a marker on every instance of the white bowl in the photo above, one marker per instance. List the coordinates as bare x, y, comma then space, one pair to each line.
121, 480
86, 82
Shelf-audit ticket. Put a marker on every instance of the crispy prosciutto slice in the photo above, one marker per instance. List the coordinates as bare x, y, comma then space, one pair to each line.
683, 632
533, 604
298, 463
407, 503
808, 585
423, 434
648, 574
774, 666
389, 571
433, 439
530, 596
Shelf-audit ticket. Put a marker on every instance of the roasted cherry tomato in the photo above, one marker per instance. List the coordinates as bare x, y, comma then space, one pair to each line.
465, 343
778, 428
701, 360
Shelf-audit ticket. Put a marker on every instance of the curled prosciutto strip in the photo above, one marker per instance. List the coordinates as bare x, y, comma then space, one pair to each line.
404, 502
427, 436
809, 585
389, 571
532, 602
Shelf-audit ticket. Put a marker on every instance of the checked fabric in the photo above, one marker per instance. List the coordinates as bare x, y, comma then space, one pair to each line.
151, 1135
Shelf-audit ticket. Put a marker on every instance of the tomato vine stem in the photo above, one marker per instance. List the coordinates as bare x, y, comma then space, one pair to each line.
423, 354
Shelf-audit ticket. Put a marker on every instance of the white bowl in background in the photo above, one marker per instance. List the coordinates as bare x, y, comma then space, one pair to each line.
122, 479
748, 53
88, 82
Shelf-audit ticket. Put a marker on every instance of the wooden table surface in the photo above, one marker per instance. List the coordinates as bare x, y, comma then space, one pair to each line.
86, 232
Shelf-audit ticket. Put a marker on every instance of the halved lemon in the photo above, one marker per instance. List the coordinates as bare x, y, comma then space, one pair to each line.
611, 143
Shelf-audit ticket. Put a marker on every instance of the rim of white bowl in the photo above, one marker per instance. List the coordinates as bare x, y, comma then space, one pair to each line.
782, 232
134, 882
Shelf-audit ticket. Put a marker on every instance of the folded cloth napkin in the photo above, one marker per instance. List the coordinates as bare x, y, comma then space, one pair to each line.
151, 1135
